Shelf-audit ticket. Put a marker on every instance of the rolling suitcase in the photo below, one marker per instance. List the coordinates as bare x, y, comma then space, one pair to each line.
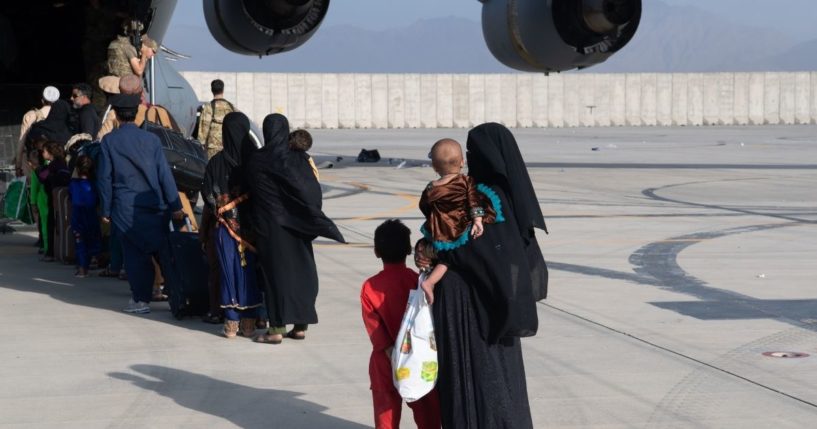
188, 295
63, 235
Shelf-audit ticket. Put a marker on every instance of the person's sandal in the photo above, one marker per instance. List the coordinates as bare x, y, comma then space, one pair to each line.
212, 319
230, 328
296, 335
246, 328
268, 338
108, 273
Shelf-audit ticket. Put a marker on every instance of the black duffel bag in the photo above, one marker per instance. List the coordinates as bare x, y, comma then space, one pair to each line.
186, 157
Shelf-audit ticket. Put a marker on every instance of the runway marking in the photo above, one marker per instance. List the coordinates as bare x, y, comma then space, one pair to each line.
354, 245
37, 279
412, 205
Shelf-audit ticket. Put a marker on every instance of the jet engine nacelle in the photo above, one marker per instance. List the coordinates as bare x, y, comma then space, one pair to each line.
556, 35
263, 27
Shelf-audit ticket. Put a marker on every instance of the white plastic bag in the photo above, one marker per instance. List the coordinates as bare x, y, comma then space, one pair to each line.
414, 358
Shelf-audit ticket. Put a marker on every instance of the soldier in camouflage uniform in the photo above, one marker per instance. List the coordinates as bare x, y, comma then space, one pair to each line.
123, 59
212, 116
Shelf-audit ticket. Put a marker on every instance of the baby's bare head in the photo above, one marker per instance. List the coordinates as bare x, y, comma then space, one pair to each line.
446, 157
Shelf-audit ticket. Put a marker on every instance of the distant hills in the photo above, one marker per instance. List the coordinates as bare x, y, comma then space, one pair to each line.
670, 39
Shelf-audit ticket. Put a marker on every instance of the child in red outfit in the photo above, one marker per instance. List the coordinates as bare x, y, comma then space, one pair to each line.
383, 299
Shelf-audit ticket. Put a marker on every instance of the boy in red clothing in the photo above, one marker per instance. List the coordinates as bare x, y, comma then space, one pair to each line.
383, 298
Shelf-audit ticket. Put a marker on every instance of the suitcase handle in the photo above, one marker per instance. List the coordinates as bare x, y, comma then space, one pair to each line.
186, 223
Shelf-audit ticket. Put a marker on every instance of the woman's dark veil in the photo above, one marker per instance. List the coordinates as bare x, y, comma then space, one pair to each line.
224, 169
287, 188
494, 159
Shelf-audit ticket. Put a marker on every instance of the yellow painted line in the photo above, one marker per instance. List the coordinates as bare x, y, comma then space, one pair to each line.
412, 205
359, 185
354, 245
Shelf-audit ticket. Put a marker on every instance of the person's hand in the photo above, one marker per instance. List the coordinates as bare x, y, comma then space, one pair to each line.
179, 215
477, 228
147, 52
106, 220
428, 289
419, 260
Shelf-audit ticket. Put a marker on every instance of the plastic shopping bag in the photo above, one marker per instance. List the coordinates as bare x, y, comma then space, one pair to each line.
414, 358
16, 204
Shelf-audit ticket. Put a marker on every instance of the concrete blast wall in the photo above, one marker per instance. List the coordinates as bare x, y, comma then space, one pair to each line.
519, 100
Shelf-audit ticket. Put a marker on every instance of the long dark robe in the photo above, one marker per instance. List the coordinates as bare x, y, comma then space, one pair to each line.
480, 385
496, 267
286, 217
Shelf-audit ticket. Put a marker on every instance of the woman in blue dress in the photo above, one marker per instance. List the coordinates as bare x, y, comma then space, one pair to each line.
225, 197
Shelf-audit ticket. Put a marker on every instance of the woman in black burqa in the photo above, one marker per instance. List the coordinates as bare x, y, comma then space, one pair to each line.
286, 217
479, 316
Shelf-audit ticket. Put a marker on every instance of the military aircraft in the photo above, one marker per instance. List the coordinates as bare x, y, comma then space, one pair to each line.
61, 42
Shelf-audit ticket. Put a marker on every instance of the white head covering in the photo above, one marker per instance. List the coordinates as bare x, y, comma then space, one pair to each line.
51, 94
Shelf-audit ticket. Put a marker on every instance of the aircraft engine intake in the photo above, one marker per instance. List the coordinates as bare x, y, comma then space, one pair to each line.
557, 35
263, 27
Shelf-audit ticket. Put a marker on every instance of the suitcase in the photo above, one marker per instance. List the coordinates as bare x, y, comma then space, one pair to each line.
188, 295
64, 250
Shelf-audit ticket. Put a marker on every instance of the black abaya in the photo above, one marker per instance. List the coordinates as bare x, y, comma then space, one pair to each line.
487, 299
288, 275
286, 216
480, 385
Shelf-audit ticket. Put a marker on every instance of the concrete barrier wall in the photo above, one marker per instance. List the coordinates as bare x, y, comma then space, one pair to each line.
519, 100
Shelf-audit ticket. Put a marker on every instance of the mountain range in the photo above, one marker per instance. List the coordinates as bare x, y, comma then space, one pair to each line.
669, 39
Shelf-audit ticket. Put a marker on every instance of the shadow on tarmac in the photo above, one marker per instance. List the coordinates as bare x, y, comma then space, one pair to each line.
21, 270
246, 407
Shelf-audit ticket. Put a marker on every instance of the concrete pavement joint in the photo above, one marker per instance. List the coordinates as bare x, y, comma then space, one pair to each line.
682, 355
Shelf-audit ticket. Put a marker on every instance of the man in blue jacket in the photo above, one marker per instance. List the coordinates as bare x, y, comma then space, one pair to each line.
139, 197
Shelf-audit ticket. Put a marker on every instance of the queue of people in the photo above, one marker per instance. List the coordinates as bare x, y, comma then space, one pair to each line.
262, 211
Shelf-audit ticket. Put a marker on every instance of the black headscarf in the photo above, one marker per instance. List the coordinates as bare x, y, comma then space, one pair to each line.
55, 126
223, 171
284, 186
494, 159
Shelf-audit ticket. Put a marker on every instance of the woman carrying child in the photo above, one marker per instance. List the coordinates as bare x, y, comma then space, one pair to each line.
225, 196
485, 301
84, 217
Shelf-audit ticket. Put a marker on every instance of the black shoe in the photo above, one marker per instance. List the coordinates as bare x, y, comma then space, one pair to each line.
212, 319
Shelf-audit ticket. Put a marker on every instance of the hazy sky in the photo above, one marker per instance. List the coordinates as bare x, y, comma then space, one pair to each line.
793, 17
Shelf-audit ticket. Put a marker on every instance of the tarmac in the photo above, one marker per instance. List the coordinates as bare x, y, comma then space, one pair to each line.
678, 257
